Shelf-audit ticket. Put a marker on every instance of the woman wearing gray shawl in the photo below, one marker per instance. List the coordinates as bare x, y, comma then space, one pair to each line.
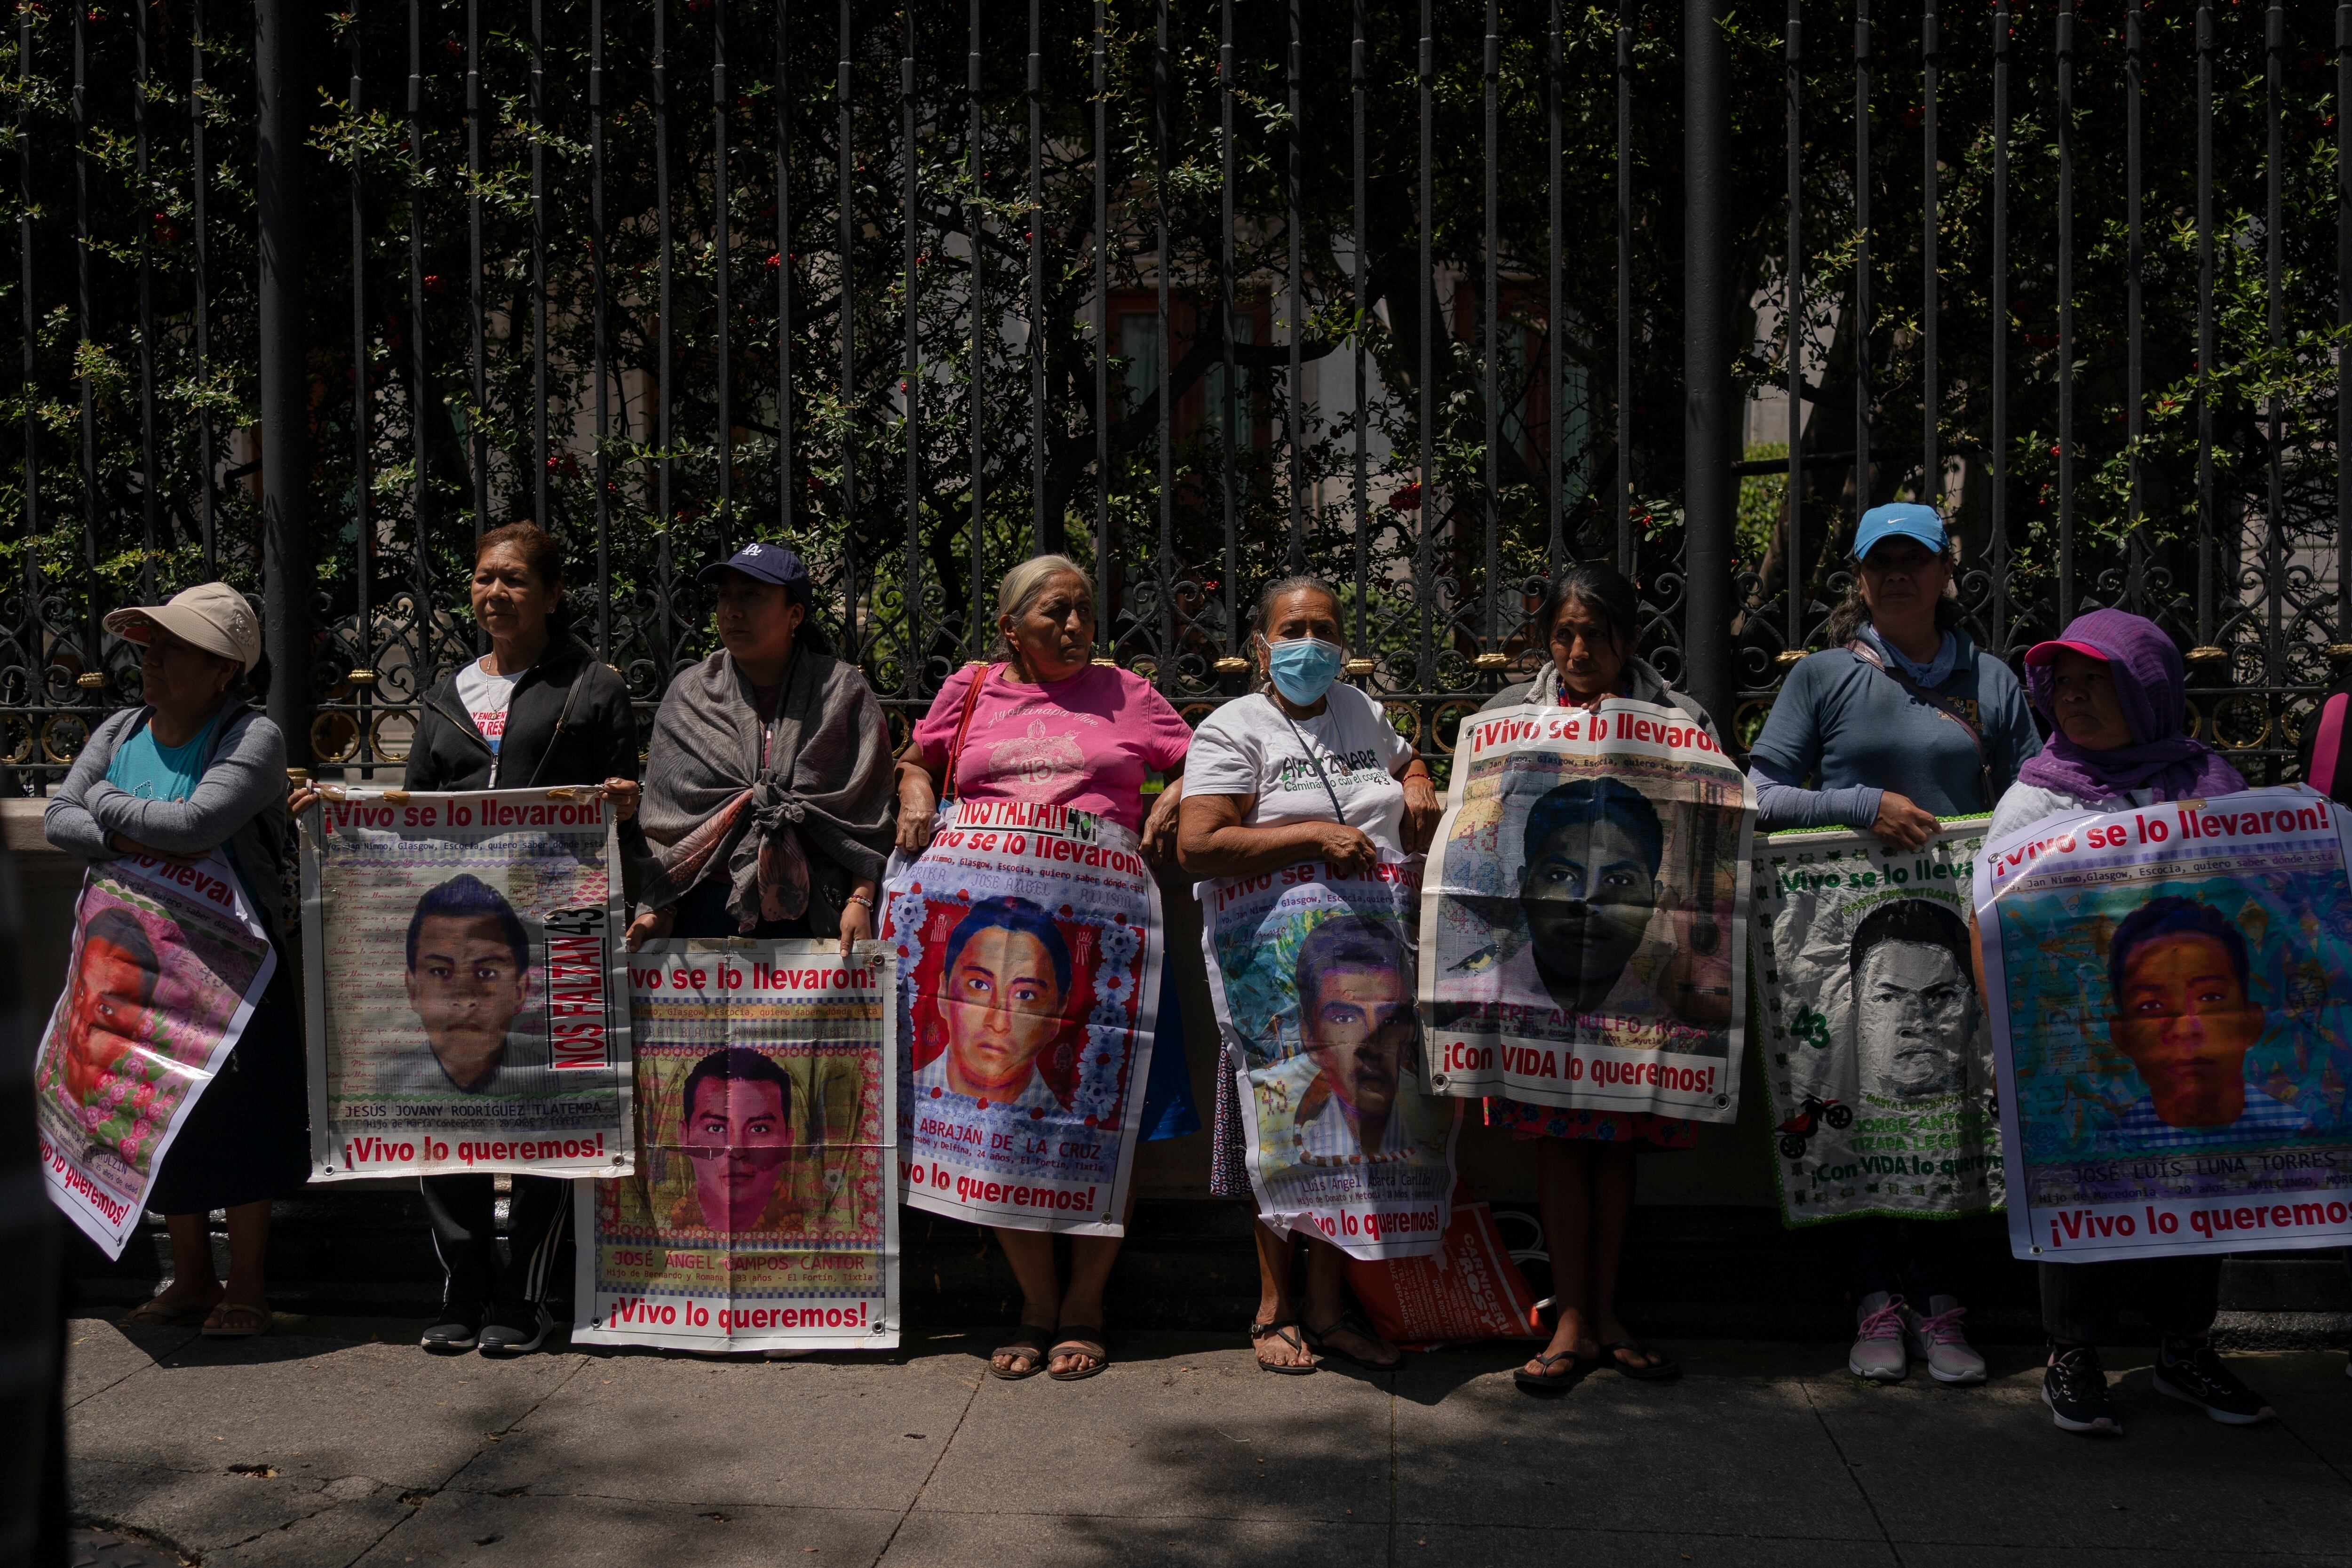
769, 782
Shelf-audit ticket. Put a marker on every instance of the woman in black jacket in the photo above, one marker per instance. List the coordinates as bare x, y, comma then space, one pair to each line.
536, 711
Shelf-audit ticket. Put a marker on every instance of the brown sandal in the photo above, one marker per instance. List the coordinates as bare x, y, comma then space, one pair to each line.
1027, 1342
152, 1314
237, 1321
1086, 1341
1288, 1333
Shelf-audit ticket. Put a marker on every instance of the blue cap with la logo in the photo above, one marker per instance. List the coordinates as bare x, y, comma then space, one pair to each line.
774, 563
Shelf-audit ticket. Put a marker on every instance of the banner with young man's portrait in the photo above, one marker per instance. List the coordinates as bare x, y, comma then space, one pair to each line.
2171, 997
1877, 1055
1312, 972
467, 1003
1028, 942
761, 1215
168, 965
1584, 920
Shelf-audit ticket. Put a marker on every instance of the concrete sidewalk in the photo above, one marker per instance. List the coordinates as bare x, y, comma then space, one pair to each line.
322, 1446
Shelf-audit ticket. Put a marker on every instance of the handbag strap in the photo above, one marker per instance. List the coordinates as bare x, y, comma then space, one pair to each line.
1338, 812
1862, 650
2329, 748
963, 724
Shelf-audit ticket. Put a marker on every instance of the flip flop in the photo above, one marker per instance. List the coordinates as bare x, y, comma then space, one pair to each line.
1086, 1339
152, 1314
1348, 1323
1028, 1341
1544, 1381
237, 1321
1288, 1333
1658, 1374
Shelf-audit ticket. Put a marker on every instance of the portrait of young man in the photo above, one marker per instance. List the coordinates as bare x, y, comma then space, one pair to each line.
468, 981
1358, 1026
1005, 981
735, 1129
1914, 1003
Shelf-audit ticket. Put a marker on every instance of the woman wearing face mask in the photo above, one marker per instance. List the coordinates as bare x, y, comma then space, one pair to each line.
1590, 623
2111, 689
768, 781
1902, 721
1049, 727
1304, 770
192, 770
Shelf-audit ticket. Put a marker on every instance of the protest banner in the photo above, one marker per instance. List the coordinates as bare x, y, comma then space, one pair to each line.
1311, 970
1877, 1055
2170, 1005
168, 963
1584, 917
462, 960
1028, 940
761, 1214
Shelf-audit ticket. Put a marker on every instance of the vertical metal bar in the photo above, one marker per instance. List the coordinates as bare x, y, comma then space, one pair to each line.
1358, 86
2135, 413
1555, 320
2206, 625
477, 424
282, 86
2274, 264
911, 371
1623, 486
2343, 316
784, 269
1862, 182
27, 319
1424, 281
845, 90
976, 418
540, 457
2065, 314
1706, 365
2001, 126
1036, 94
1931, 465
1233, 634
1298, 307
427, 649
722, 266
600, 367
1489, 285
1103, 562
150, 503
1165, 568
201, 280
91, 669
1792, 569
664, 352
362, 517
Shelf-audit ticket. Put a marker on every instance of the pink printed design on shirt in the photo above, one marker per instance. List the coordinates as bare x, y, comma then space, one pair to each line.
493, 725
1034, 764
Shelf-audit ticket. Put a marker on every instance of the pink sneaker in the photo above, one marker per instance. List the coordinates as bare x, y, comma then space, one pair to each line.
1939, 1340
1878, 1352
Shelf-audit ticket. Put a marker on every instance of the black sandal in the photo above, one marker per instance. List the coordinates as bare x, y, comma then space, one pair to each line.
1348, 1323
1288, 1333
1028, 1341
1544, 1381
1658, 1374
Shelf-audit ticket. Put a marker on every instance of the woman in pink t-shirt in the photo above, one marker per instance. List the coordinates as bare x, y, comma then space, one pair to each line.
1052, 728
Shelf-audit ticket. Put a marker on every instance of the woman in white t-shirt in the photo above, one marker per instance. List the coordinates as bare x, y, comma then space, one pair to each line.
1304, 769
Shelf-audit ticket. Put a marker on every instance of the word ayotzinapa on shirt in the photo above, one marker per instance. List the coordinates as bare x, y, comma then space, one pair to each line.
2171, 1011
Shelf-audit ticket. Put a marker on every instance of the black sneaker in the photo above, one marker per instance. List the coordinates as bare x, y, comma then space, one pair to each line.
514, 1328
2074, 1387
2189, 1370
459, 1330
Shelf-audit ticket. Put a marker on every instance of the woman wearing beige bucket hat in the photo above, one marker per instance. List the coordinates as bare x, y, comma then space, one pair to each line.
193, 769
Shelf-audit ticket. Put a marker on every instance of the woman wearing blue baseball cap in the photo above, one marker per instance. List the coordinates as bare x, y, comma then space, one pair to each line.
1900, 721
768, 783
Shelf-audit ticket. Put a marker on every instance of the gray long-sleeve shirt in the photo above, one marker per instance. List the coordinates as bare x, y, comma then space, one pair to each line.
239, 805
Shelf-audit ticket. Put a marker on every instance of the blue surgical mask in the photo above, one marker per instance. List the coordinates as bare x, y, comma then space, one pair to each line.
1304, 667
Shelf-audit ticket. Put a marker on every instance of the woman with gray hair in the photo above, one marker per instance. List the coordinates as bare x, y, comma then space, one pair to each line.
1046, 725
1307, 769
192, 770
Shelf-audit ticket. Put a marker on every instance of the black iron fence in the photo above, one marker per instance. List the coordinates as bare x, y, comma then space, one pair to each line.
1430, 296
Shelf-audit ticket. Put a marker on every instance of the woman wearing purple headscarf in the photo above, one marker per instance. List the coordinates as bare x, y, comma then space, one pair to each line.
2111, 688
